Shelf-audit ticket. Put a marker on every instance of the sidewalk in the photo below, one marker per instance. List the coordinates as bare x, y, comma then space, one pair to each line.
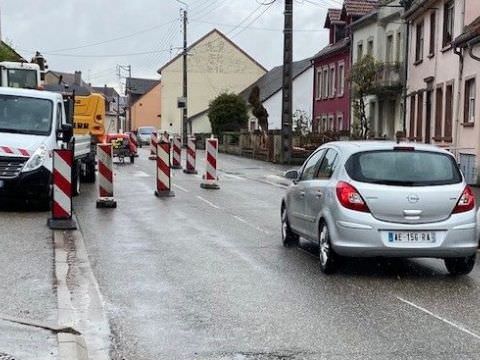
27, 286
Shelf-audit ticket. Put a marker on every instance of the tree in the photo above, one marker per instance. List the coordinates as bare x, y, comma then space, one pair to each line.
258, 110
227, 112
7, 53
363, 77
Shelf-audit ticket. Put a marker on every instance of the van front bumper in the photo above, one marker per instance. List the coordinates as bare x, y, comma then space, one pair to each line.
34, 184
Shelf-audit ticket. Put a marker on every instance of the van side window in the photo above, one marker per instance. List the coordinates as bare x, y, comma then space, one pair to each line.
59, 116
328, 165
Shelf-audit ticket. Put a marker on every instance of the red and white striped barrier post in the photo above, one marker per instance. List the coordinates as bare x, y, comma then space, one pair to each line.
153, 147
191, 156
177, 152
164, 183
105, 177
62, 191
210, 177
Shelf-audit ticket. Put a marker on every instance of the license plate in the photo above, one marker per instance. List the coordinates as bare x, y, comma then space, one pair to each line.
411, 237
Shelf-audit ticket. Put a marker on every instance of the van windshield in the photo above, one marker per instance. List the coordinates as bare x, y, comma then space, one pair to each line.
25, 115
22, 78
403, 168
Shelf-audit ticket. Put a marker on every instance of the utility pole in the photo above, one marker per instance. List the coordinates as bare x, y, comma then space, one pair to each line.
286, 151
185, 76
120, 68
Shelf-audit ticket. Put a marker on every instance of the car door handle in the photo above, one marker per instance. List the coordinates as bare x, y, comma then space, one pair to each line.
318, 194
302, 194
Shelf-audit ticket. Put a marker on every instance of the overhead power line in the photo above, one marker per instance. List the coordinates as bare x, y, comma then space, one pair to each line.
104, 55
254, 28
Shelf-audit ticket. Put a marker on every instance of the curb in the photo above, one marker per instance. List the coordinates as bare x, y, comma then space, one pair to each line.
70, 346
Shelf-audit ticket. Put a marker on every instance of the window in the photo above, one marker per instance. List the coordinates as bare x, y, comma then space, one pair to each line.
403, 168
438, 113
359, 50
431, 49
325, 83
330, 123
419, 42
331, 82
448, 113
448, 15
412, 116
469, 107
339, 32
341, 79
420, 116
318, 84
389, 49
311, 165
340, 122
328, 165
399, 47
370, 47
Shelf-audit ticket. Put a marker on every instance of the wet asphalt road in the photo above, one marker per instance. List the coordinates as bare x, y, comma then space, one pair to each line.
203, 275
27, 289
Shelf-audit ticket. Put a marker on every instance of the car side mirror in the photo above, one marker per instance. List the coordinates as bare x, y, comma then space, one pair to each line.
65, 134
292, 175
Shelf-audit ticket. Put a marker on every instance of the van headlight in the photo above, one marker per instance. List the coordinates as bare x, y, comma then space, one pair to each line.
37, 159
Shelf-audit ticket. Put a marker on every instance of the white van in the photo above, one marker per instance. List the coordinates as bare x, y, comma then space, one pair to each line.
32, 124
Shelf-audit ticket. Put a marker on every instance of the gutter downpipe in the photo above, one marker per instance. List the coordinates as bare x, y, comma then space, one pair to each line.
459, 86
470, 45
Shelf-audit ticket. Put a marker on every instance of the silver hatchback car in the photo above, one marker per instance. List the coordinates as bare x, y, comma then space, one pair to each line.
365, 199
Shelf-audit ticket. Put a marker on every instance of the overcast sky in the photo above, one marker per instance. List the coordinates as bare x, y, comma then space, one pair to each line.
58, 28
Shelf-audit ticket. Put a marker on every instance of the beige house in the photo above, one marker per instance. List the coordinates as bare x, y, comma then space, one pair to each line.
144, 103
215, 65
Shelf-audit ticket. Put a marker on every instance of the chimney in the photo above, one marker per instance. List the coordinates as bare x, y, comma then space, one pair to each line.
78, 78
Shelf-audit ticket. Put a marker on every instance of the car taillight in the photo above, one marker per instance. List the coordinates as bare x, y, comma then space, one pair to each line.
350, 198
466, 201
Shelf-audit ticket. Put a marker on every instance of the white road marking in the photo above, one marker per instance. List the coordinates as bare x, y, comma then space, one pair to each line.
456, 326
141, 174
232, 176
208, 202
250, 225
181, 188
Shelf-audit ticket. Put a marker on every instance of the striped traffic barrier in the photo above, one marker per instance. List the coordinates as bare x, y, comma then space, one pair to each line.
210, 177
14, 151
62, 191
191, 156
177, 152
153, 147
164, 183
105, 177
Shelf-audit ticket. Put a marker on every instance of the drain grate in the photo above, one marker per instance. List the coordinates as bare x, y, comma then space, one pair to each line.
4, 356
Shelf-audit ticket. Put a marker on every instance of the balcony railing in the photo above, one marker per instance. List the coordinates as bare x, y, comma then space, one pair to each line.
389, 75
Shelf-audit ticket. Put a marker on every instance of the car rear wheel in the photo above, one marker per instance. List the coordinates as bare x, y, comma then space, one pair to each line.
328, 257
460, 266
132, 159
289, 238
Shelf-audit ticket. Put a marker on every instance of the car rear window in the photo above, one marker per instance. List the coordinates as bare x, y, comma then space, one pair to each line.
403, 168
145, 131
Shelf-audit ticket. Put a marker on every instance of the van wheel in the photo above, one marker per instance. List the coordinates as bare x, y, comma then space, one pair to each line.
89, 176
328, 257
77, 168
289, 238
132, 159
460, 266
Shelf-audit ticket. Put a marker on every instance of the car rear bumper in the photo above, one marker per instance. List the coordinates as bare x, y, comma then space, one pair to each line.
456, 237
30, 185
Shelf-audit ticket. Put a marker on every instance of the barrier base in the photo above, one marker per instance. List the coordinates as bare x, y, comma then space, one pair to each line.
165, 193
152, 157
188, 171
176, 167
62, 224
106, 203
209, 186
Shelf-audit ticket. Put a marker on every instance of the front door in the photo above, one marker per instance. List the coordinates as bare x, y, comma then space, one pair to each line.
297, 195
318, 192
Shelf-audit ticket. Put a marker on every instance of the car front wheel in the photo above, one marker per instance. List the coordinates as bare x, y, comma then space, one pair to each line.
460, 266
328, 258
289, 238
